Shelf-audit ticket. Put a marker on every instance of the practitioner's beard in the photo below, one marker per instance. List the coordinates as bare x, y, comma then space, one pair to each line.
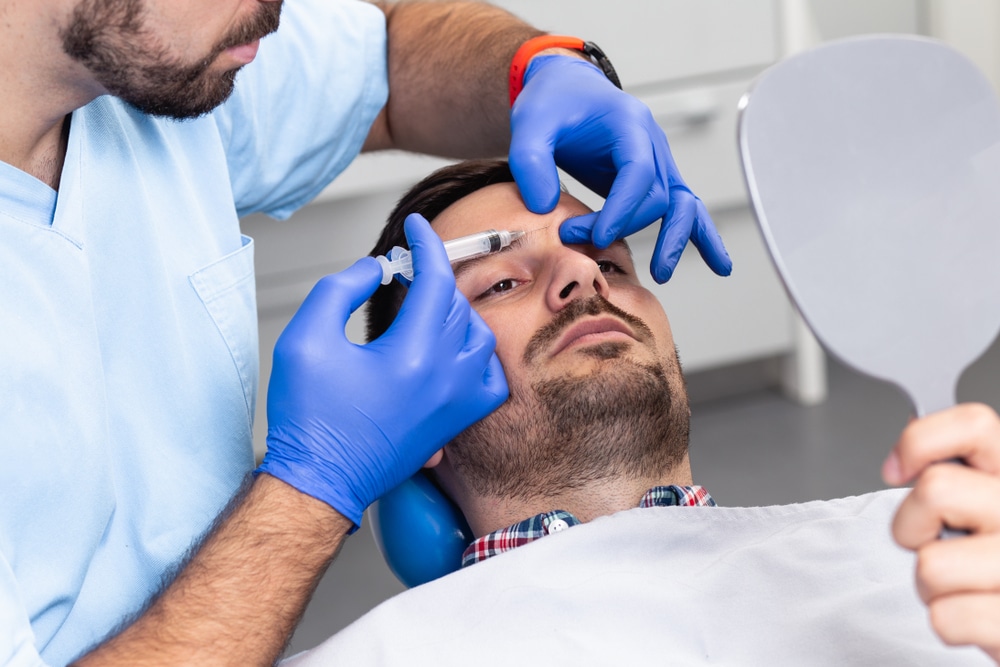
625, 418
112, 40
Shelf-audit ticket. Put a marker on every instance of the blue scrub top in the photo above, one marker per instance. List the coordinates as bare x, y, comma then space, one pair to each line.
128, 330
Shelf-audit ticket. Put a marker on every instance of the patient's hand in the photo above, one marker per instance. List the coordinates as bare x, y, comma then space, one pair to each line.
958, 579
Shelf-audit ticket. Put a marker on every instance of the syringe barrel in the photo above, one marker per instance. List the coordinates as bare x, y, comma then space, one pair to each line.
470, 246
481, 243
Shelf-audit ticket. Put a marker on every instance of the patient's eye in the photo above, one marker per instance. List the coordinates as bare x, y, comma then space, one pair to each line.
500, 287
607, 266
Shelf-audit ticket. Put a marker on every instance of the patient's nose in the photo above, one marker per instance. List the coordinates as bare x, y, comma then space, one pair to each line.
575, 276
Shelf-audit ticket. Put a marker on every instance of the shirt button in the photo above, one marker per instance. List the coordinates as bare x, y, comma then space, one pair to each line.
558, 525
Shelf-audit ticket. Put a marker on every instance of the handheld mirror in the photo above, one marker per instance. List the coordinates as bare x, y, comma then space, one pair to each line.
873, 165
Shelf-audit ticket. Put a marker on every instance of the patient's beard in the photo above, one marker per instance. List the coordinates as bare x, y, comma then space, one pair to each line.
625, 419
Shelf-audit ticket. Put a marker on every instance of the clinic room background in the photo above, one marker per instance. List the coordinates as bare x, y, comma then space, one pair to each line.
774, 420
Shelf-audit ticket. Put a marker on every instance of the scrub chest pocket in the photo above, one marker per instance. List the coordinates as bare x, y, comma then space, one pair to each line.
227, 289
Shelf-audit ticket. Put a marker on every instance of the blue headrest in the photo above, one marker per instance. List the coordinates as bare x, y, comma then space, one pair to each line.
419, 531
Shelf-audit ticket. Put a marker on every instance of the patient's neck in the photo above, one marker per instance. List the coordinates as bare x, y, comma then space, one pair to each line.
597, 498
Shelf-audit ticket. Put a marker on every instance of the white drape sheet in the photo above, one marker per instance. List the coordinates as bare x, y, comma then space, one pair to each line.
818, 583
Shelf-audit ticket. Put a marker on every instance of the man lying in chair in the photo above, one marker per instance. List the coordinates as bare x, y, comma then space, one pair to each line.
597, 425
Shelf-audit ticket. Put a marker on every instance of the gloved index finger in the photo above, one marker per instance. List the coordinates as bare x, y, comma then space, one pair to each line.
673, 237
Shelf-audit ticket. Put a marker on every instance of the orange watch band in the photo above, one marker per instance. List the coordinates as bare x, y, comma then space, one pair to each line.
535, 45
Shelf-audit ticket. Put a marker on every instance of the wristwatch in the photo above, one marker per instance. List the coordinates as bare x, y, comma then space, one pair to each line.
533, 46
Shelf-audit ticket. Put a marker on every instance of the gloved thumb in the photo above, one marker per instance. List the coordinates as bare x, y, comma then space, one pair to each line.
578, 229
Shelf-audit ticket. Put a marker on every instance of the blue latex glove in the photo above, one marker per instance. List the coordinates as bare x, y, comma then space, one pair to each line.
569, 113
347, 422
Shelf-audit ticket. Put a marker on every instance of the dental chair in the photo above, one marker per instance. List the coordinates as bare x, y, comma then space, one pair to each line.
420, 532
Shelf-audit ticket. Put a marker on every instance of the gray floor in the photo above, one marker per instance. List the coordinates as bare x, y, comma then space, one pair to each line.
755, 448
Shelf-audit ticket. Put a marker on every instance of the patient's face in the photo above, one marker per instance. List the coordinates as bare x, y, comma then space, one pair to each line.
522, 290
584, 346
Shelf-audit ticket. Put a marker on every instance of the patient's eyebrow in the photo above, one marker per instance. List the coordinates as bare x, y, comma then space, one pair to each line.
465, 265
621, 243
624, 244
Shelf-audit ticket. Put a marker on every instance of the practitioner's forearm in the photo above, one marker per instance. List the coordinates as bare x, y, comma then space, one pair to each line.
240, 597
448, 67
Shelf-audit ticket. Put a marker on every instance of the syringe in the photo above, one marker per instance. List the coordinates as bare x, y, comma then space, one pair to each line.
473, 245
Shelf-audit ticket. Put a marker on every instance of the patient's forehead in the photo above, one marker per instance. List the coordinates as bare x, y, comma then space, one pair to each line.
500, 206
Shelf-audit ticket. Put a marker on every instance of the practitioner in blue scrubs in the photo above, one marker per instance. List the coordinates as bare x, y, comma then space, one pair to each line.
133, 135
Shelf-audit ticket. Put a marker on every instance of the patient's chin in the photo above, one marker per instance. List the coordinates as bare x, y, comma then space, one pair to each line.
621, 418
620, 390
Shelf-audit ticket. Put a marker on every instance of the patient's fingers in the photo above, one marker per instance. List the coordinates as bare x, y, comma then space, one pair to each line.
969, 619
959, 578
966, 565
970, 431
947, 494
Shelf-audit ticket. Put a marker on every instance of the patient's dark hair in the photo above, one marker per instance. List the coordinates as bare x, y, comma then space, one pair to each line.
428, 197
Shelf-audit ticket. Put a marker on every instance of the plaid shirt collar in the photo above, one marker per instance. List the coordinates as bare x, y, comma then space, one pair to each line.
543, 524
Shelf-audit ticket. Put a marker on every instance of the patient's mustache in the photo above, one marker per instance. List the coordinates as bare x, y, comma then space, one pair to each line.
595, 305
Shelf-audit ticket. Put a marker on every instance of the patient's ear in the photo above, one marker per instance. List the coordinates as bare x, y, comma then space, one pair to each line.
435, 459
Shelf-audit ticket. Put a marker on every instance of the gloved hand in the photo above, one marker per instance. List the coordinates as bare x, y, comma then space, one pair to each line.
347, 422
569, 113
